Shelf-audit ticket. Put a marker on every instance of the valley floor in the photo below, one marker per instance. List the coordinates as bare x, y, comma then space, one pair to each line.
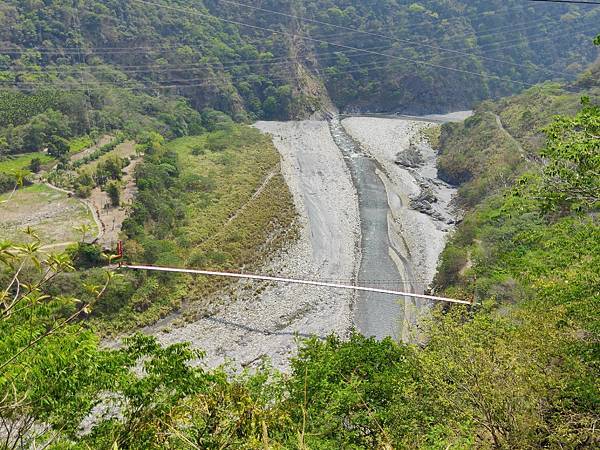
262, 321
419, 211
252, 325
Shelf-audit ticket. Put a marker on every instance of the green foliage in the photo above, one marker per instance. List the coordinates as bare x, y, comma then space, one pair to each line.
48, 129
487, 152
521, 369
11, 163
151, 142
7, 182
478, 156
110, 168
571, 176
352, 392
86, 255
50, 370
372, 83
35, 165
76, 145
99, 152
18, 107
114, 193
243, 71
58, 146
215, 120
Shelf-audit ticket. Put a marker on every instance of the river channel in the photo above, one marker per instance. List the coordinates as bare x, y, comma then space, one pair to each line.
378, 315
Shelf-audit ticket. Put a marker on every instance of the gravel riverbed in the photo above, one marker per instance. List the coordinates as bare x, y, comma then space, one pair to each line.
263, 320
254, 321
420, 214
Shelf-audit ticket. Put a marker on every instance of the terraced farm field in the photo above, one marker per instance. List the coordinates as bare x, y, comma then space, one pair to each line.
124, 150
22, 161
51, 213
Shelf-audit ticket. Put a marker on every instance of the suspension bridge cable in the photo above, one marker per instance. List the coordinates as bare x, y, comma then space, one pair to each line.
293, 281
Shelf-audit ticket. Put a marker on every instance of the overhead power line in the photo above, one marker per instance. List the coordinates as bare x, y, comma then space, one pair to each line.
321, 41
189, 82
385, 36
510, 30
557, 33
167, 66
205, 81
107, 50
199, 65
570, 2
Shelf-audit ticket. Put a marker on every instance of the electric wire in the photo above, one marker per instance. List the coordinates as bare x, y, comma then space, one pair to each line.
321, 41
177, 67
197, 82
222, 65
117, 50
569, 2
384, 36
205, 81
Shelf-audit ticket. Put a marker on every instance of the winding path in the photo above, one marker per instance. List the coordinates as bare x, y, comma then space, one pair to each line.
510, 136
256, 194
88, 204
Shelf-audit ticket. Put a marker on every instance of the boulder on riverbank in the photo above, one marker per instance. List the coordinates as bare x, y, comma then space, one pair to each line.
411, 157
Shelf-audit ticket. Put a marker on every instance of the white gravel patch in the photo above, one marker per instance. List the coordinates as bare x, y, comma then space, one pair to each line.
260, 321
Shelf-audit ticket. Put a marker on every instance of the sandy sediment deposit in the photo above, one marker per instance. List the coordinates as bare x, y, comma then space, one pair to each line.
420, 214
263, 320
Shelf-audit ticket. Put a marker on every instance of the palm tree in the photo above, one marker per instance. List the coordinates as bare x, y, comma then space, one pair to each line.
84, 229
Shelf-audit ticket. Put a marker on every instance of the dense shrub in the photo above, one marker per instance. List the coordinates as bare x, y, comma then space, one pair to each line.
86, 255
7, 182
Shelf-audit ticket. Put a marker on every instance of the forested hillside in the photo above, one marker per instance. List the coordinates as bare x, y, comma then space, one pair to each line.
501, 140
270, 59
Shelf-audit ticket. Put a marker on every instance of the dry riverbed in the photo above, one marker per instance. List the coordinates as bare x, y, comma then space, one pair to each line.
254, 321
420, 214
263, 320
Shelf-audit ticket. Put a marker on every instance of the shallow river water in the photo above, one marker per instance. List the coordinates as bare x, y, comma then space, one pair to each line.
378, 315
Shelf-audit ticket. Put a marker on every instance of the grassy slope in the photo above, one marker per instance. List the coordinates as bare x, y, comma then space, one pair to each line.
537, 277
50, 213
123, 150
482, 159
211, 188
21, 162
77, 145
